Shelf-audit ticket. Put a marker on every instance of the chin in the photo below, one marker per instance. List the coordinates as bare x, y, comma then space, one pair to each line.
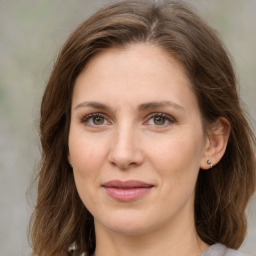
128, 224
134, 230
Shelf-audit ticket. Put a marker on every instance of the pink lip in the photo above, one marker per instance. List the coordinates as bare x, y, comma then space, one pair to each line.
126, 191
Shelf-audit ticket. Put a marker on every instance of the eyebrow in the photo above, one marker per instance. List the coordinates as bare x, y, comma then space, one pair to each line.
157, 104
93, 104
141, 107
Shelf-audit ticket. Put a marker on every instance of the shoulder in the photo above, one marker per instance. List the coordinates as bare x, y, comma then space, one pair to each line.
221, 250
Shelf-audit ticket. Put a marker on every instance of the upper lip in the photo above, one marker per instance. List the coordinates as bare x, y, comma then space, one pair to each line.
127, 184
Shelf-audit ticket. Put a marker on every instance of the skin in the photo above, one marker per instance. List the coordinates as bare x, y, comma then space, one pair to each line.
125, 142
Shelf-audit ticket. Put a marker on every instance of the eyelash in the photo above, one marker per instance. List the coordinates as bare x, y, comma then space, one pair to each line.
166, 117
86, 118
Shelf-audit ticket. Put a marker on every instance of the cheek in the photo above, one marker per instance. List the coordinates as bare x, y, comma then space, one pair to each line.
87, 161
87, 158
86, 154
177, 159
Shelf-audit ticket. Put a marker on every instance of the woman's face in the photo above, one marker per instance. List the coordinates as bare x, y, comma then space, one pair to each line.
136, 141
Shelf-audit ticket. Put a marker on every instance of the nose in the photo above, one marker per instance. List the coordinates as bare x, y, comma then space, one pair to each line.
126, 149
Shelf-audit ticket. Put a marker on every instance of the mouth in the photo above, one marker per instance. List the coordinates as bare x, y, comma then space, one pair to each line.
126, 191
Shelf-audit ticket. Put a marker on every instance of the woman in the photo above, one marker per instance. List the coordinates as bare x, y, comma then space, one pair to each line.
145, 147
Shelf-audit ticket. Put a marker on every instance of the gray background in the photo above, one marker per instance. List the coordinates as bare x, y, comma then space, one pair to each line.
31, 32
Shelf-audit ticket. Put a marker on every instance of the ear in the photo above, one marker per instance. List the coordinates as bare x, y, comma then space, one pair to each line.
69, 160
216, 143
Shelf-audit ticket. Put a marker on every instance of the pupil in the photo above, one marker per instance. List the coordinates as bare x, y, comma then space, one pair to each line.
159, 120
98, 120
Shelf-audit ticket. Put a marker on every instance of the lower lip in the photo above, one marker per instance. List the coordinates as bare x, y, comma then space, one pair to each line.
127, 195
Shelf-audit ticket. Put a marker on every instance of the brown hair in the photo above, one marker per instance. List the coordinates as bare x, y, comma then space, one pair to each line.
60, 218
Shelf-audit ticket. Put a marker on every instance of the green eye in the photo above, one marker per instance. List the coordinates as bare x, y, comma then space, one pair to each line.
159, 120
98, 120
95, 119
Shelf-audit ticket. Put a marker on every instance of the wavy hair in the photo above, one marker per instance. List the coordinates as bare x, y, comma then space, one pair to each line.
60, 218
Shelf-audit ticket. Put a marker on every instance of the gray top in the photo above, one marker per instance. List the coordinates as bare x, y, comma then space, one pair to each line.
214, 250
221, 250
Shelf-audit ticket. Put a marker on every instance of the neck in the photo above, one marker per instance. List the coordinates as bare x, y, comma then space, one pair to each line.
177, 239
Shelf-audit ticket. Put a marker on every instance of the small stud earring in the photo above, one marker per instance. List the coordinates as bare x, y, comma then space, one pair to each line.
210, 163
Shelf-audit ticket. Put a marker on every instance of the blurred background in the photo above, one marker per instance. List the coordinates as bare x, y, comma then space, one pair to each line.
31, 33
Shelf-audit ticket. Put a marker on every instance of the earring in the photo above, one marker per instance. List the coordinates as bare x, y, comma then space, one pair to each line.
210, 163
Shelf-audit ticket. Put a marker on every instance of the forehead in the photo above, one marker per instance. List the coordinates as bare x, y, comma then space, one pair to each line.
139, 54
140, 71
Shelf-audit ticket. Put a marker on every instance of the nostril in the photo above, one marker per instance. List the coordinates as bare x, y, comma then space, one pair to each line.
123, 166
125, 161
125, 151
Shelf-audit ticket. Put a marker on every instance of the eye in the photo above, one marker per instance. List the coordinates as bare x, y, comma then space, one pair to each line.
160, 119
95, 119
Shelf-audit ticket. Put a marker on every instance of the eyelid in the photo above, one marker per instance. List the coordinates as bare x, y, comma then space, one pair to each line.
85, 118
161, 114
